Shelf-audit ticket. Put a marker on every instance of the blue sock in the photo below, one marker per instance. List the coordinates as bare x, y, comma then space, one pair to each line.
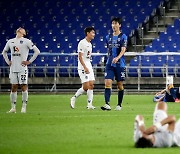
120, 97
107, 94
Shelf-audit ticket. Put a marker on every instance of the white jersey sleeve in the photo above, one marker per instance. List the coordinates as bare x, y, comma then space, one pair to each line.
81, 47
4, 53
29, 44
6, 48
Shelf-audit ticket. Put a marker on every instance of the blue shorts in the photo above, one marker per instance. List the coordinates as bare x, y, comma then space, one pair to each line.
168, 98
115, 72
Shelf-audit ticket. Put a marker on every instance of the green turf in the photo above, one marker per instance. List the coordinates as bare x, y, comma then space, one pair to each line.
51, 126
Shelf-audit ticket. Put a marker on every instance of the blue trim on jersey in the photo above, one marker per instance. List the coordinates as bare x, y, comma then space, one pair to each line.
114, 45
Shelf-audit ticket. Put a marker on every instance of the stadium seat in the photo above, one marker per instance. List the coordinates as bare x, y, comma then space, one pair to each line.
133, 67
40, 66
52, 66
145, 68
58, 26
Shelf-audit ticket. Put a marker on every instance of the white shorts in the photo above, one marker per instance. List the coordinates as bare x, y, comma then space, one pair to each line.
86, 77
158, 116
19, 77
177, 133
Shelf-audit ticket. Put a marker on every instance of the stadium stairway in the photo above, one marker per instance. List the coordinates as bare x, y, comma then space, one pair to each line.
150, 31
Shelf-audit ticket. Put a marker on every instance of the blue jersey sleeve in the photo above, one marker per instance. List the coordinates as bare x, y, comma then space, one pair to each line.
107, 38
124, 44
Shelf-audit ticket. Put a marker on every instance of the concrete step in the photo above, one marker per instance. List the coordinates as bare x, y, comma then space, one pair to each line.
151, 34
174, 10
175, 6
172, 14
160, 29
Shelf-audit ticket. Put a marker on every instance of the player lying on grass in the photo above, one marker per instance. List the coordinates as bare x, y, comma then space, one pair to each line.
170, 94
165, 131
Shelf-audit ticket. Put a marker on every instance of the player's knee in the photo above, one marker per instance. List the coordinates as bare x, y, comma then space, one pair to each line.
14, 88
23, 87
85, 87
120, 87
173, 118
108, 83
91, 86
162, 106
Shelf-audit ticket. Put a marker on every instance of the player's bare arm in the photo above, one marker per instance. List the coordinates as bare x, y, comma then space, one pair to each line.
82, 63
24, 63
115, 60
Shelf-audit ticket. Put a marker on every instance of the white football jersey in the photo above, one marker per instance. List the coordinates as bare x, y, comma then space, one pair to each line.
85, 47
19, 48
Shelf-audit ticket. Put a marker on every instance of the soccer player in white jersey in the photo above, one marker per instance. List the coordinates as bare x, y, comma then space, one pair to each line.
19, 47
165, 131
85, 69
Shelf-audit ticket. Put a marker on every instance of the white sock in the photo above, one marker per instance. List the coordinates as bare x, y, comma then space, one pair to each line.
79, 92
24, 97
13, 98
89, 96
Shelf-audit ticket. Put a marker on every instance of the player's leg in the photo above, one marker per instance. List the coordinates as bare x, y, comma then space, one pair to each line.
160, 113
109, 77
23, 80
177, 100
13, 98
80, 91
107, 94
120, 77
13, 94
90, 95
120, 95
24, 97
90, 90
177, 133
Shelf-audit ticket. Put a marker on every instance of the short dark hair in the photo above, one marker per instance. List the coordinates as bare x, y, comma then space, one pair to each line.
88, 29
116, 19
143, 143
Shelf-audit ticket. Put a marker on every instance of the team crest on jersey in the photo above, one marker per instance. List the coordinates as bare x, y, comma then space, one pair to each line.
86, 77
21, 42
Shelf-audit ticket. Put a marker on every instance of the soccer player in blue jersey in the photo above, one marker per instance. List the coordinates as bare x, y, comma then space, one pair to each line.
170, 94
115, 65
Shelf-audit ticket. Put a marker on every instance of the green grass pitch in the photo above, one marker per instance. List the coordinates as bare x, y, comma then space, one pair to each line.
51, 126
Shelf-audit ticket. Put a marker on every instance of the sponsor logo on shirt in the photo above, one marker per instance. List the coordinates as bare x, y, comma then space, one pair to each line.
16, 54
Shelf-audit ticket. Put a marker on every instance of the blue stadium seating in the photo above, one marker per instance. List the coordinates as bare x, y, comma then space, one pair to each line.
52, 22
134, 63
57, 26
168, 40
41, 61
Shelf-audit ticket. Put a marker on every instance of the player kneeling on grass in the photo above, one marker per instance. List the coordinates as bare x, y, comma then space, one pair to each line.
85, 69
19, 47
165, 131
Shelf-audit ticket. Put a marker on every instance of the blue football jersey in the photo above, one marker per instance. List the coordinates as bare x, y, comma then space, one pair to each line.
114, 45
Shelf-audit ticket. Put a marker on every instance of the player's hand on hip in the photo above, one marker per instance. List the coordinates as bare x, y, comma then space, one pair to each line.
86, 70
10, 63
24, 63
